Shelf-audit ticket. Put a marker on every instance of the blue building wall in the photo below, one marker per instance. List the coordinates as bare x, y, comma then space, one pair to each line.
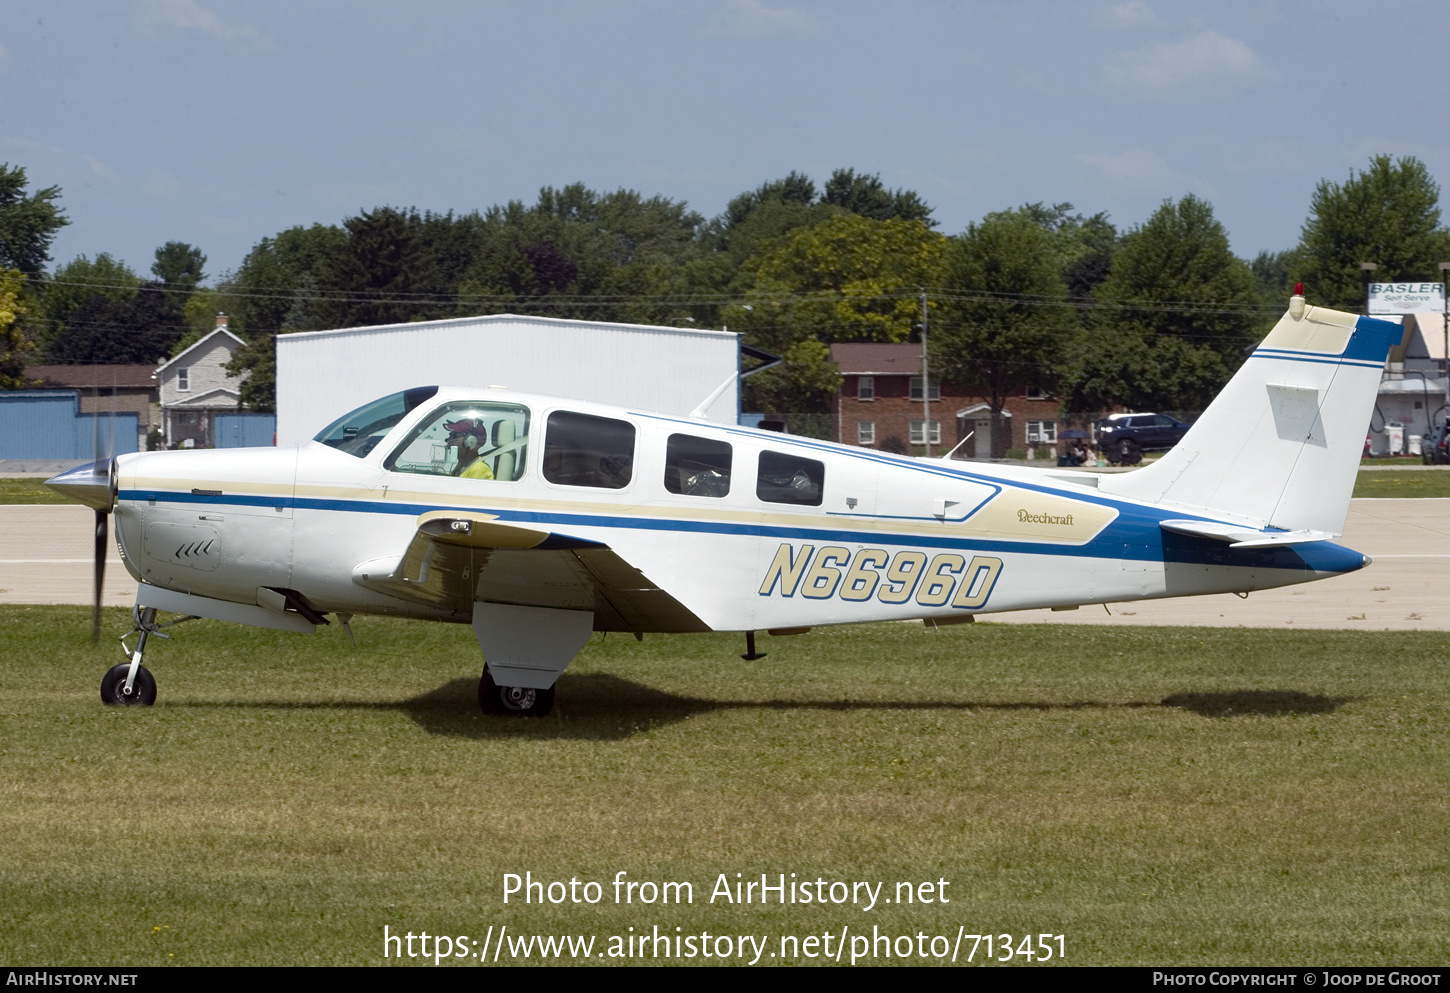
245, 430
47, 424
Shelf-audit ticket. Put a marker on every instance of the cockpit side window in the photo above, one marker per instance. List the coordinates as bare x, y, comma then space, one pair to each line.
697, 466
584, 450
357, 432
790, 479
472, 440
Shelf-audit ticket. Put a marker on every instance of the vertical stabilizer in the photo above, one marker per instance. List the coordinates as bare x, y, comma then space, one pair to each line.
1280, 446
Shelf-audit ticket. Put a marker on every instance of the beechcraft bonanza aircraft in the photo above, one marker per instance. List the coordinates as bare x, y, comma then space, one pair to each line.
569, 517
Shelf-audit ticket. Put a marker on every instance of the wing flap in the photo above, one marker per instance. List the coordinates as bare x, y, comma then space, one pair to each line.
459, 557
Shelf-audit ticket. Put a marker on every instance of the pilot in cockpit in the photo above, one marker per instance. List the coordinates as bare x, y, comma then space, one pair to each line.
467, 434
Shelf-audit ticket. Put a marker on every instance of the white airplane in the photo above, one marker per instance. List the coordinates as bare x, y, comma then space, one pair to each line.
539, 520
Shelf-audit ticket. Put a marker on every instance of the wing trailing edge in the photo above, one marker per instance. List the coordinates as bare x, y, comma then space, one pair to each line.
458, 558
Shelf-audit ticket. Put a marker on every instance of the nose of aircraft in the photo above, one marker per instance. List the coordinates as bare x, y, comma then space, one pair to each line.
93, 484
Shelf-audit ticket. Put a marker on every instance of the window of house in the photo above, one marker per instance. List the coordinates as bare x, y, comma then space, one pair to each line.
474, 440
865, 387
183, 378
865, 432
584, 450
916, 389
697, 466
1036, 393
1041, 432
932, 438
790, 479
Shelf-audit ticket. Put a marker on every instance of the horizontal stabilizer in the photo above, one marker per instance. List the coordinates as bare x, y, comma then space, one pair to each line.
1242, 537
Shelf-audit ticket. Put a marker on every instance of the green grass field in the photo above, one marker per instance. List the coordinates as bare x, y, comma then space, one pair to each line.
1389, 483
27, 489
1156, 796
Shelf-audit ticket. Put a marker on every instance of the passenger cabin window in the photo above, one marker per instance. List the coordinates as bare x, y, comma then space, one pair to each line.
357, 432
471, 440
697, 466
790, 479
583, 450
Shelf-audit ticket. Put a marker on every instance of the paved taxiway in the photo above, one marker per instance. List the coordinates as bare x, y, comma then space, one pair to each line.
45, 557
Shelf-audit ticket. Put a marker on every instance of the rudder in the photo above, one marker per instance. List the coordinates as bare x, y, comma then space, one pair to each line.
1279, 447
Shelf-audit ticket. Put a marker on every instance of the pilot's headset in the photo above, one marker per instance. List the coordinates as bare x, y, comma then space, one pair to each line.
467, 430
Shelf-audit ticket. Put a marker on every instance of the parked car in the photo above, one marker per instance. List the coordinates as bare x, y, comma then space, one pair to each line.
1434, 449
1123, 438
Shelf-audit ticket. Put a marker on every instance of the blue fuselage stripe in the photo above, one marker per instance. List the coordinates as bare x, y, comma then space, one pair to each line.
1134, 535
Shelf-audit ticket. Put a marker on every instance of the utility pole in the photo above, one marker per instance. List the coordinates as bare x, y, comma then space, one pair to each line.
1445, 277
1367, 271
925, 383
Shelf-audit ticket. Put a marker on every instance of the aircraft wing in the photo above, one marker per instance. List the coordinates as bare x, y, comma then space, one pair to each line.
458, 557
1237, 536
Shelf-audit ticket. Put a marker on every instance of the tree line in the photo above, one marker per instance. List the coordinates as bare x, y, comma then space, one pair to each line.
1157, 316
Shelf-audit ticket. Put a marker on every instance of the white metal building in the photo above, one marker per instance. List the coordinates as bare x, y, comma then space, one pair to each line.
321, 375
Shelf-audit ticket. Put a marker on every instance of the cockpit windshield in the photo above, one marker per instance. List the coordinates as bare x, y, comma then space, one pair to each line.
358, 431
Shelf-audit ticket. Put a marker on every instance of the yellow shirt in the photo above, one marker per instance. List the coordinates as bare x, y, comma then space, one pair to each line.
477, 469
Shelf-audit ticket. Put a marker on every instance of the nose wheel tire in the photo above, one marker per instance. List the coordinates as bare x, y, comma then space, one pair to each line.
518, 701
143, 688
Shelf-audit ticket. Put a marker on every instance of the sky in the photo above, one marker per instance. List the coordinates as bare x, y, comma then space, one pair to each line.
220, 123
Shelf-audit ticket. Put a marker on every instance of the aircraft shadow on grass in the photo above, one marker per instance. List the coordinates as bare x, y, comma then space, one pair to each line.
603, 707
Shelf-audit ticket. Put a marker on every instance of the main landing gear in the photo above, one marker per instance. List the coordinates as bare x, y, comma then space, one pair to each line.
518, 701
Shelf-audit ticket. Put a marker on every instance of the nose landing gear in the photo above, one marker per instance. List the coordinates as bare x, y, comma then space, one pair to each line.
131, 684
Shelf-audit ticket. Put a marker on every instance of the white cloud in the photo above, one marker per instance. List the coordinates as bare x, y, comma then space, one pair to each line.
100, 168
1133, 14
752, 19
189, 15
1132, 166
1206, 57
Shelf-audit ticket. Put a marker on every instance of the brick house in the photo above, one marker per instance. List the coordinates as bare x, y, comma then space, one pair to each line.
127, 389
879, 406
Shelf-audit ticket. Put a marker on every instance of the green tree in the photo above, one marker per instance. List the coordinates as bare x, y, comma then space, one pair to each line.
867, 196
846, 279
1006, 323
27, 222
1173, 318
1389, 214
73, 285
805, 381
140, 330
16, 351
179, 268
276, 285
582, 254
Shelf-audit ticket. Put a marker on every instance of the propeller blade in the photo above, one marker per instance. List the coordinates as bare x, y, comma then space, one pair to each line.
102, 533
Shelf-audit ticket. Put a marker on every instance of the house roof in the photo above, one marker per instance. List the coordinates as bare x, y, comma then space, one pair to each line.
237, 343
100, 377
871, 359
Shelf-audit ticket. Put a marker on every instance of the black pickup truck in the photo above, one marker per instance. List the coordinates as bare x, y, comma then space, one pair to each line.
1123, 438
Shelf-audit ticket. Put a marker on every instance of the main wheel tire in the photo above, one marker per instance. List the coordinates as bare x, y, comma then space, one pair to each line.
516, 701
143, 688
1128, 452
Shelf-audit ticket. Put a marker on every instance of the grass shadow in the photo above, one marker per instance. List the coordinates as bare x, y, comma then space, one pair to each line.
603, 707
1266, 703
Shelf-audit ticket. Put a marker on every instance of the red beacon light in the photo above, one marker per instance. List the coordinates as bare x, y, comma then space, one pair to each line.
1296, 302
